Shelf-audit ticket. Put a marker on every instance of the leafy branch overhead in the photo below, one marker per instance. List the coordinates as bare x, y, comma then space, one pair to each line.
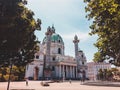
17, 27
106, 24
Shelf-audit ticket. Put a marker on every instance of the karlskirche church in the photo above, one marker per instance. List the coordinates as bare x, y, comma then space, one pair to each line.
50, 61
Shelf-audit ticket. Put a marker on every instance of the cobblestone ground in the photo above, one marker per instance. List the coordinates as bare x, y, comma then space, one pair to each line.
35, 85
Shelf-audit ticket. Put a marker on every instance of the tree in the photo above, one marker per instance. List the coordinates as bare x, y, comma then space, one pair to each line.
105, 74
100, 74
97, 57
109, 75
17, 74
17, 27
106, 24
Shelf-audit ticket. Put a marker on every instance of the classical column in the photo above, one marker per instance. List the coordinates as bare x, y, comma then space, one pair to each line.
59, 71
71, 76
74, 69
66, 71
63, 69
76, 72
56, 73
73, 72
63, 73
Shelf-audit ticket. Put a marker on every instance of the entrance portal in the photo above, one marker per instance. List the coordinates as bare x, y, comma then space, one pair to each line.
36, 73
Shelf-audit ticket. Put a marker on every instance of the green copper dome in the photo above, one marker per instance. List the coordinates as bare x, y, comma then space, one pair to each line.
56, 38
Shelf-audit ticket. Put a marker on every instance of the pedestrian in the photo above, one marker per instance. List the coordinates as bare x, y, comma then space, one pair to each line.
70, 81
26, 81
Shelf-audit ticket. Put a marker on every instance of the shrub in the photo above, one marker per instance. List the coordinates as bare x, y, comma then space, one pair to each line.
6, 77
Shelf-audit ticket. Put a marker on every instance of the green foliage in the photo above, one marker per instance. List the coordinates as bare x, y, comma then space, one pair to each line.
100, 74
17, 27
97, 57
106, 15
17, 73
108, 74
105, 74
114, 70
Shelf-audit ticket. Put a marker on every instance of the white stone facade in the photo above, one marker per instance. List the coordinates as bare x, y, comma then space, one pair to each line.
93, 69
62, 66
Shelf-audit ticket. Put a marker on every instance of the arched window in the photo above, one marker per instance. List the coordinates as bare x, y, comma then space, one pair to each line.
59, 41
37, 56
53, 58
59, 50
83, 63
53, 68
82, 55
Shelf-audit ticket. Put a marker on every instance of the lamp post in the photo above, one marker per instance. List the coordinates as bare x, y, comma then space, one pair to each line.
9, 74
11, 64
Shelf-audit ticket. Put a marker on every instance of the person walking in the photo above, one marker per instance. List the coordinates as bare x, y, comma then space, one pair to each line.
27, 82
70, 81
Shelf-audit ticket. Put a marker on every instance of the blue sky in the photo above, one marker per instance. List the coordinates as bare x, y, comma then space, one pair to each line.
68, 17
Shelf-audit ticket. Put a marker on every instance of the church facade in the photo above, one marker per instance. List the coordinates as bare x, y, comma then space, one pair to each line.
52, 63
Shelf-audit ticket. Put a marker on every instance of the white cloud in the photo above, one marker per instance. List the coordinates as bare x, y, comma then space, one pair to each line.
83, 36
59, 10
69, 19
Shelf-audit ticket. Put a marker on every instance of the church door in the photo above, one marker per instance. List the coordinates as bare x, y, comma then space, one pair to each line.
36, 73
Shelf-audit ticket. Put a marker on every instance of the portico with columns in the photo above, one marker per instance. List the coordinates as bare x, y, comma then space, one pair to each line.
66, 71
51, 56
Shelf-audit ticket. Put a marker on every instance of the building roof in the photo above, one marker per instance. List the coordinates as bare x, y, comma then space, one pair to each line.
55, 38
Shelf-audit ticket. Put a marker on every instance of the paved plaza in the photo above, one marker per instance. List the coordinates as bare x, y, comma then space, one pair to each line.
35, 85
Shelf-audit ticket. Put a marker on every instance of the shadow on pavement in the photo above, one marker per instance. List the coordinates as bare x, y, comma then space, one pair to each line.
22, 89
109, 84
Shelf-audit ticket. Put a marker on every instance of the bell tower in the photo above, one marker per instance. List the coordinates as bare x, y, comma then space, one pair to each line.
48, 44
80, 60
76, 41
